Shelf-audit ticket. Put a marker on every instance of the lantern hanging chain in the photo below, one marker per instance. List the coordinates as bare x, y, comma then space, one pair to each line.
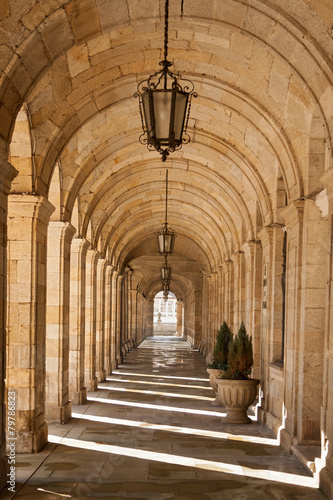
166, 27
166, 198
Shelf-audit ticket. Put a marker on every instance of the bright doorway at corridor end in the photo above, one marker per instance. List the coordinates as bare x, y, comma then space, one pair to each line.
167, 316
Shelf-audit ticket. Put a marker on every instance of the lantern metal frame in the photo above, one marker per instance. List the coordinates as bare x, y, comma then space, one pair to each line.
162, 98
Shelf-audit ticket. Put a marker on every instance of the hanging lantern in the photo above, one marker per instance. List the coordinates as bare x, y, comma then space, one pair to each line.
165, 106
166, 236
166, 274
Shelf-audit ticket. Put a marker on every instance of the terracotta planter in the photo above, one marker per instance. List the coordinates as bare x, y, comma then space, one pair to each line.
213, 375
237, 396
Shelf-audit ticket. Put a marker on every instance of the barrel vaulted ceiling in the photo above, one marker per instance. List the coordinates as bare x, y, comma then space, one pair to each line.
260, 126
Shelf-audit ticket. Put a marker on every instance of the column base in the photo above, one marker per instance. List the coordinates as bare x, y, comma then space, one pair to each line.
92, 385
79, 397
101, 377
109, 370
286, 440
58, 415
31, 442
326, 481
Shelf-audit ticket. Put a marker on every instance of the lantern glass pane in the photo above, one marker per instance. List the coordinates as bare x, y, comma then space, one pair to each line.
160, 241
166, 272
180, 112
147, 113
162, 111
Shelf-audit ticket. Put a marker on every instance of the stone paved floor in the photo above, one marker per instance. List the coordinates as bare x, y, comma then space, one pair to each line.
150, 433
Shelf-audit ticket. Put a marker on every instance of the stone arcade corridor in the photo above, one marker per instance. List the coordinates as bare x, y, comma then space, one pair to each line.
150, 433
82, 199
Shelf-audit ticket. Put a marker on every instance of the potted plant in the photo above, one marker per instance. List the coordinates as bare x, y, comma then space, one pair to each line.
236, 390
219, 361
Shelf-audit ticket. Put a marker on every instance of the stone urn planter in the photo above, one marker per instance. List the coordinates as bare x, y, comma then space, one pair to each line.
237, 396
214, 373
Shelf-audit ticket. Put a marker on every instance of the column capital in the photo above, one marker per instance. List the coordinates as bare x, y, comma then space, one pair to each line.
29, 206
293, 213
249, 246
80, 244
65, 228
266, 234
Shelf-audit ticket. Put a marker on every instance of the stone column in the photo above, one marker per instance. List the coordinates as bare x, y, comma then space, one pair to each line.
28, 217
293, 215
129, 309
149, 318
326, 474
90, 319
124, 313
113, 346
228, 292
197, 316
140, 333
134, 318
107, 319
58, 405
77, 389
305, 313
204, 310
239, 289
252, 313
179, 318
100, 320
119, 326
7, 174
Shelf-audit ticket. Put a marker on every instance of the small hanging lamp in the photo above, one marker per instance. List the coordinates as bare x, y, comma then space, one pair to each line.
166, 236
166, 271
165, 105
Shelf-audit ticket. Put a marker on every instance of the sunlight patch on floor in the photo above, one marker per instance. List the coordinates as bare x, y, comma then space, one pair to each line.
265, 474
178, 430
157, 407
157, 393
166, 384
148, 375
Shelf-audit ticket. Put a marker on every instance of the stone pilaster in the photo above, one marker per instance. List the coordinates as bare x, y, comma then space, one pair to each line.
7, 174
78, 391
293, 216
305, 320
28, 218
90, 320
326, 474
271, 345
100, 320
58, 404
